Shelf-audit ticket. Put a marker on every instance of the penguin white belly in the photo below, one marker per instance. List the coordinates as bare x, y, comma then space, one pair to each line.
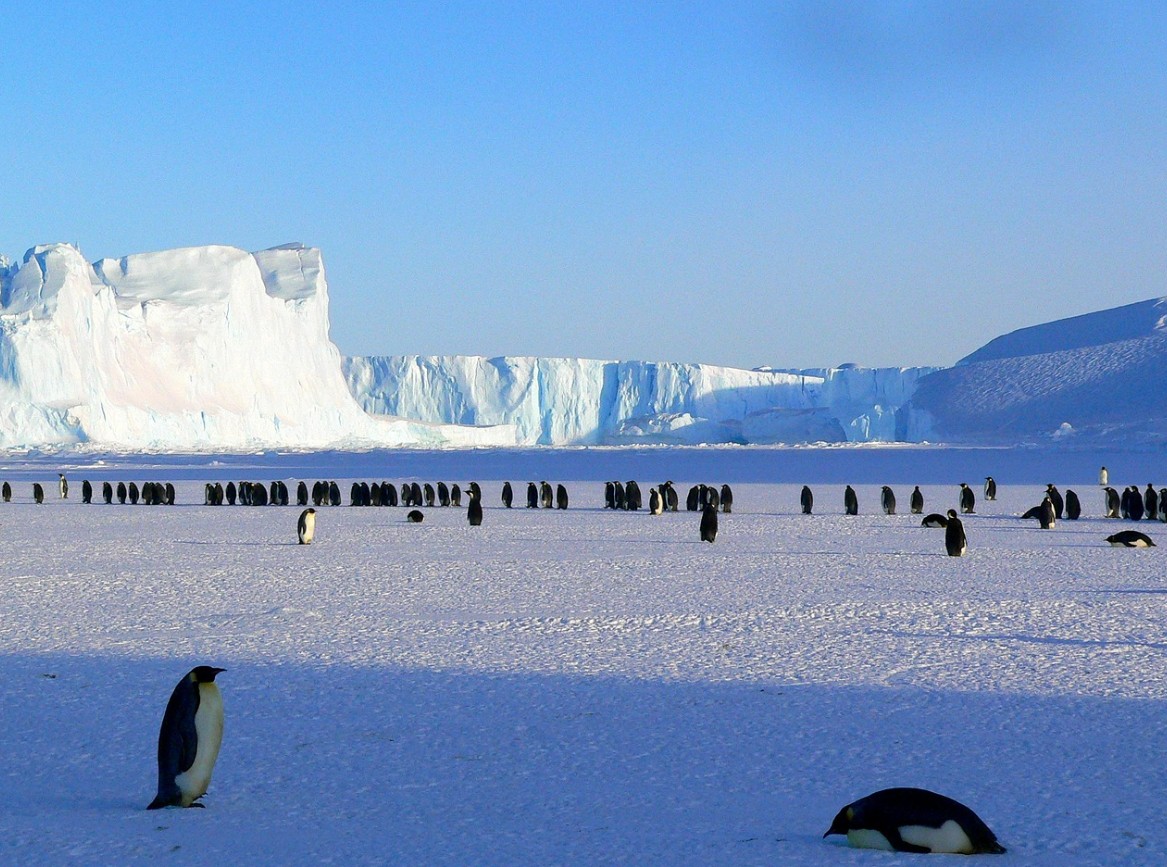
866, 838
308, 533
949, 837
194, 781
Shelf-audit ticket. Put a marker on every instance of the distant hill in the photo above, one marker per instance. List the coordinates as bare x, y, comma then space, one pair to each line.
1101, 376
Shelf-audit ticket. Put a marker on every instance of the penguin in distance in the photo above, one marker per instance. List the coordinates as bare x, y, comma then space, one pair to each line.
655, 503
306, 526
474, 510
968, 499
1047, 516
1073, 505
508, 496
955, 542
6, 492
86, 491
1103, 477
189, 739
561, 499
917, 501
38, 493
806, 500
990, 488
414, 516
726, 499
63, 486
1130, 539
887, 499
850, 501
1055, 497
935, 520
709, 523
914, 820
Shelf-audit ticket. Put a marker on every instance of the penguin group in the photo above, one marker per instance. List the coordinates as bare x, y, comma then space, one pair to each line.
149, 494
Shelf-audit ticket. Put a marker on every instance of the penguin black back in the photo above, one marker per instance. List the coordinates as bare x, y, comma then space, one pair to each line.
474, 511
1073, 505
916, 501
850, 501
189, 739
914, 820
709, 523
955, 542
806, 499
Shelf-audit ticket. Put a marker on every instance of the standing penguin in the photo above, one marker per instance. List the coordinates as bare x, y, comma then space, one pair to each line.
887, 499
1151, 502
474, 510
38, 493
917, 501
1113, 504
990, 488
545, 495
968, 500
1135, 506
955, 542
189, 739
709, 523
1073, 506
691, 501
6, 492
655, 504
508, 496
306, 526
560, 497
63, 486
850, 501
532, 495
1103, 477
726, 499
1055, 497
1047, 516
914, 820
806, 500
86, 491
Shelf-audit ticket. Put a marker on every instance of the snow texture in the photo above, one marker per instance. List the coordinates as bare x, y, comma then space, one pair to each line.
182, 349
562, 401
583, 686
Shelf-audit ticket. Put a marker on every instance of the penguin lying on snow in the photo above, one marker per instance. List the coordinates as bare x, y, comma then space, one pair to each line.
189, 739
934, 520
1130, 539
914, 820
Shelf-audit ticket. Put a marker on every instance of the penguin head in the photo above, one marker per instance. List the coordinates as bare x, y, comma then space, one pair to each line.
952, 513
205, 673
842, 823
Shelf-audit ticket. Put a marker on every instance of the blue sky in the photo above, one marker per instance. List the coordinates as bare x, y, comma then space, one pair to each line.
784, 183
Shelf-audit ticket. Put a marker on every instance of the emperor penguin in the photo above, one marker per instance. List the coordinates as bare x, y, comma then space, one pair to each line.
726, 499
1130, 539
443, 494
709, 523
887, 499
1103, 477
850, 501
968, 499
189, 739
1162, 509
474, 510
934, 520
1055, 497
1151, 502
414, 516
990, 488
306, 526
955, 542
302, 493
508, 495
672, 501
1135, 506
560, 497
86, 491
1073, 505
456, 495
107, 492
692, 498
609, 494
917, 501
655, 505
532, 495
914, 820
1113, 503
1047, 516
38, 493
806, 500
63, 486
546, 498
6, 492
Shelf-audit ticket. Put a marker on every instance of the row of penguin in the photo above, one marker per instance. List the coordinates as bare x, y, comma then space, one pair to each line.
898, 819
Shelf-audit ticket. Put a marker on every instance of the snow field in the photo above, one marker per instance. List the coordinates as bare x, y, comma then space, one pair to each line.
578, 687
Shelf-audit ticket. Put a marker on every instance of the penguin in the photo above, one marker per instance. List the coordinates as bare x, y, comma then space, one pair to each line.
619, 495
532, 495
955, 542
887, 499
170, 494
806, 500
334, 493
934, 520
560, 497
1162, 508
6, 492
916, 501
609, 495
1130, 539
709, 523
189, 739
302, 494
86, 491
415, 494
443, 494
274, 493
1135, 505
414, 516
914, 820
692, 498
38, 493
850, 501
1124, 507
672, 501
1055, 497
429, 494
1103, 477
230, 492
306, 526
1073, 505
133, 492
474, 510
726, 499
375, 494
968, 500
107, 492
406, 494
990, 488
632, 498
546, 498
1113, 503
354, 494
456, 495
388, 494
1151, 503
713, 497
655, 505
63, 486
1047, 516
508, 495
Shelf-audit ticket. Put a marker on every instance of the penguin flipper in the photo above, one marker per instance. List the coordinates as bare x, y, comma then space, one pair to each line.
900, 844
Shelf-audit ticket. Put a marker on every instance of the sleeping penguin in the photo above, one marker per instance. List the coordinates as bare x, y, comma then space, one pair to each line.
188, 742
914, 820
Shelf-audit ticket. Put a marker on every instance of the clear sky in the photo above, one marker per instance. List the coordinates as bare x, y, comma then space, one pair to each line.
785, 183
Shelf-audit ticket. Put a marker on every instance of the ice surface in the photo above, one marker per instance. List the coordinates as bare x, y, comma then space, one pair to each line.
582, 687
560, 401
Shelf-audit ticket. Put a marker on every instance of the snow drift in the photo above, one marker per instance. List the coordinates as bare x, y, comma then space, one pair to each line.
189, 348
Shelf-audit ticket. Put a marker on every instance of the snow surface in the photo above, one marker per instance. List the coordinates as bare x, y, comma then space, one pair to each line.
582, 687
182, 349
564, 401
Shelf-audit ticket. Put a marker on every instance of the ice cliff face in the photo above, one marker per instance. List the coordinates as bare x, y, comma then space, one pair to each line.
560, 401
206, 347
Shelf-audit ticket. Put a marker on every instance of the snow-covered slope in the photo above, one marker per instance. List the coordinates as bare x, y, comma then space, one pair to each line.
190, 348
558, 401
1098, 376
